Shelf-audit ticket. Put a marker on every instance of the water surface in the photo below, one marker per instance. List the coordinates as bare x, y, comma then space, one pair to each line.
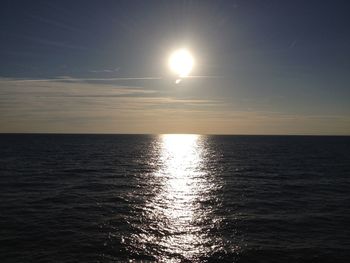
174, 198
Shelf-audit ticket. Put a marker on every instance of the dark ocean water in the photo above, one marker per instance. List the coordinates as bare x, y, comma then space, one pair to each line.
174, 198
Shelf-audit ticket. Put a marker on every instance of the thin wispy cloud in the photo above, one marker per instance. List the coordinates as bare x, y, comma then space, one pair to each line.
54, 43
70, 79
52, 98
76, 105
55, 23
105, 70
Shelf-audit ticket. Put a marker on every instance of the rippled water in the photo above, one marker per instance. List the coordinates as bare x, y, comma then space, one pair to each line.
174, 198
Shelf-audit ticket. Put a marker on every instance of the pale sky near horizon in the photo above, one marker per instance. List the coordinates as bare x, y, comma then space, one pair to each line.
269, 67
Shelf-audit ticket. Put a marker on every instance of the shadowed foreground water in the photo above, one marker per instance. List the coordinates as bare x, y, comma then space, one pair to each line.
174, 198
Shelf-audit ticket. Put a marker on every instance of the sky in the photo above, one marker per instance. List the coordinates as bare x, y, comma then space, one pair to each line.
262, 67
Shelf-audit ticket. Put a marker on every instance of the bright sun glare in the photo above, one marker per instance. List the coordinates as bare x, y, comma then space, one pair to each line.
181, 62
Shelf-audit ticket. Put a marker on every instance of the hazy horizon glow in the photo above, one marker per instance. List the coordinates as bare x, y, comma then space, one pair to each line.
92, 68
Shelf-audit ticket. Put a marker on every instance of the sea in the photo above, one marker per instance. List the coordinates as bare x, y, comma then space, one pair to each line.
174, 198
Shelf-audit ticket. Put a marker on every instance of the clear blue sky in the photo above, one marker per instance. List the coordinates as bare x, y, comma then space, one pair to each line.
276, 67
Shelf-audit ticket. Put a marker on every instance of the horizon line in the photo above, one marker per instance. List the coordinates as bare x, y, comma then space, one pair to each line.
157, 134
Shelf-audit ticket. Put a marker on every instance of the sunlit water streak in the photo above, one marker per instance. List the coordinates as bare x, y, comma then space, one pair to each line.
177, 219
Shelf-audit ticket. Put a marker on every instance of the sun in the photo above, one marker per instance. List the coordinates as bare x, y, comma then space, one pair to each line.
181, 62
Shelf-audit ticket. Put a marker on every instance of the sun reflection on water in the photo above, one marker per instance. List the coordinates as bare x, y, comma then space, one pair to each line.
178, 224
181, 159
